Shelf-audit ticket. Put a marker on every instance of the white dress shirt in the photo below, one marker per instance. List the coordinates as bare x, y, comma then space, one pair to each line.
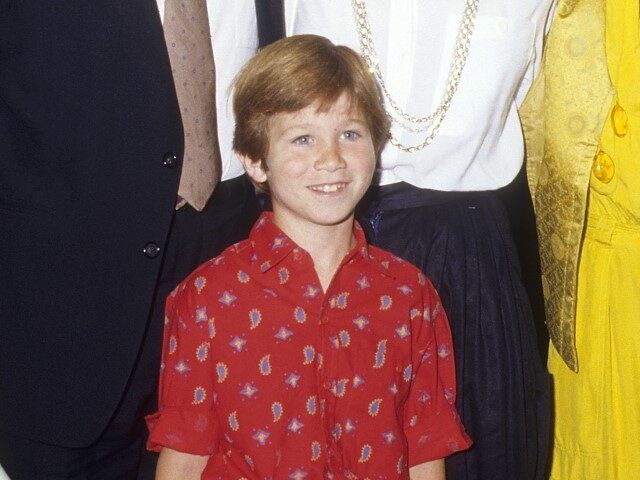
234, 36
479, 145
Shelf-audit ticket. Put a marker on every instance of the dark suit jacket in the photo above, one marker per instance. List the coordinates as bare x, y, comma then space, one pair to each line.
87, 113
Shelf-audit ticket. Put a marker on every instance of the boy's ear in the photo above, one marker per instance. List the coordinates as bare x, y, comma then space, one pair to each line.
254, 169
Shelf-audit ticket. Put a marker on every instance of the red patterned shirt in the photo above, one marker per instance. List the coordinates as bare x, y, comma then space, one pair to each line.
276, 379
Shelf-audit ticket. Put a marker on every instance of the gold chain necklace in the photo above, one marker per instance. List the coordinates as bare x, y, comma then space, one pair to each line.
431, 123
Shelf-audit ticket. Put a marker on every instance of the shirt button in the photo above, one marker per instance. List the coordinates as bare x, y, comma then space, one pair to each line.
603, 167
620, 121
170, 160
151, 250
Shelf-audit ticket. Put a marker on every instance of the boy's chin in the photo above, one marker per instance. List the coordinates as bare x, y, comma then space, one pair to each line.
317, 219
332, 219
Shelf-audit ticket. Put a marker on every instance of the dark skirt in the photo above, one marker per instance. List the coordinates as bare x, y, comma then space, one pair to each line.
463, 242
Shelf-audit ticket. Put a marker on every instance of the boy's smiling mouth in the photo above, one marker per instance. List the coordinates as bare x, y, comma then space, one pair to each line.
328, 187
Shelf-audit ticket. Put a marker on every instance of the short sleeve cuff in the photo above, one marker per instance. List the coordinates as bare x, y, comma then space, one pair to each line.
437, 436
184, 431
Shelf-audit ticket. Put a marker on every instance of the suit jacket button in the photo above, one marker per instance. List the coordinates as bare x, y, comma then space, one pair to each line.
170, 160
151, 250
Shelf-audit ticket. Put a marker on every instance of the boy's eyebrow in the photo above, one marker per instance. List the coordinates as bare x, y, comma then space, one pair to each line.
303, 126
358, 120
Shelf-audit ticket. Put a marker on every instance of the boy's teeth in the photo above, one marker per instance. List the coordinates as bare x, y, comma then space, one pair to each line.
327, 188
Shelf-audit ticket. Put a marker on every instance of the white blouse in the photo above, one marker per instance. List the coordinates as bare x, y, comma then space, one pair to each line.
479, 145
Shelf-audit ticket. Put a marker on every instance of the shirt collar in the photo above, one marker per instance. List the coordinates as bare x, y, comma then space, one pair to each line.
271, 246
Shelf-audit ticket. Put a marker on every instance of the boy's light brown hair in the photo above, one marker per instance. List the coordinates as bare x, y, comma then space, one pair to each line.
291, 74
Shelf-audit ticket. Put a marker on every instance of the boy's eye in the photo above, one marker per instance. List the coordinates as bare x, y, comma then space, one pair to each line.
351, 135
303, 140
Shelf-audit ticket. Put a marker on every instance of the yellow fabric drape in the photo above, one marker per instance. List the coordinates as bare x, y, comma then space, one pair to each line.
597, 410
562, 118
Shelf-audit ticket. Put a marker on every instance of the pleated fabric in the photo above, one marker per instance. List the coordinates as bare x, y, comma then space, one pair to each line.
461, 240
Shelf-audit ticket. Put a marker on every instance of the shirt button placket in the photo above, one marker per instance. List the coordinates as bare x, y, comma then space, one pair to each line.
326, 374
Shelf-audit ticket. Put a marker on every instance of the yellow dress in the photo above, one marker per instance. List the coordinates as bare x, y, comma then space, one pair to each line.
597, 410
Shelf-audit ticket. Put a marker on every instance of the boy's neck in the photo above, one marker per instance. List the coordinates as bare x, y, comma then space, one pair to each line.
327, 245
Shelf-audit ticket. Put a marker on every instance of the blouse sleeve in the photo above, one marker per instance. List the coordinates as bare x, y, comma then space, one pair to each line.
185, 420
431, 423
544, 14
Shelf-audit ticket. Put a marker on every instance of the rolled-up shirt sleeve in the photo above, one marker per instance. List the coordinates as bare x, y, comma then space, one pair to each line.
185, 420
431, 423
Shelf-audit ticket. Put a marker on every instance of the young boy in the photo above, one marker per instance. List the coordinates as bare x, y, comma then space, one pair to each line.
302, 352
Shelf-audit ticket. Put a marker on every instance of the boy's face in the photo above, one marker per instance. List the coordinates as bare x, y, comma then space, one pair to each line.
319, 165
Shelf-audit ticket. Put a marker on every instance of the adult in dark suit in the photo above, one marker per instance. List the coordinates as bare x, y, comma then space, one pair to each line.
91, 144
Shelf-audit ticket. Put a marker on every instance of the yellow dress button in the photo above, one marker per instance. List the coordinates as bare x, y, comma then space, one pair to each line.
620, 121
564, 9
603, 167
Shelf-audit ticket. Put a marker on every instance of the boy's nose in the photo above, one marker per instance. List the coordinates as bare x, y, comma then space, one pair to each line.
330, 159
